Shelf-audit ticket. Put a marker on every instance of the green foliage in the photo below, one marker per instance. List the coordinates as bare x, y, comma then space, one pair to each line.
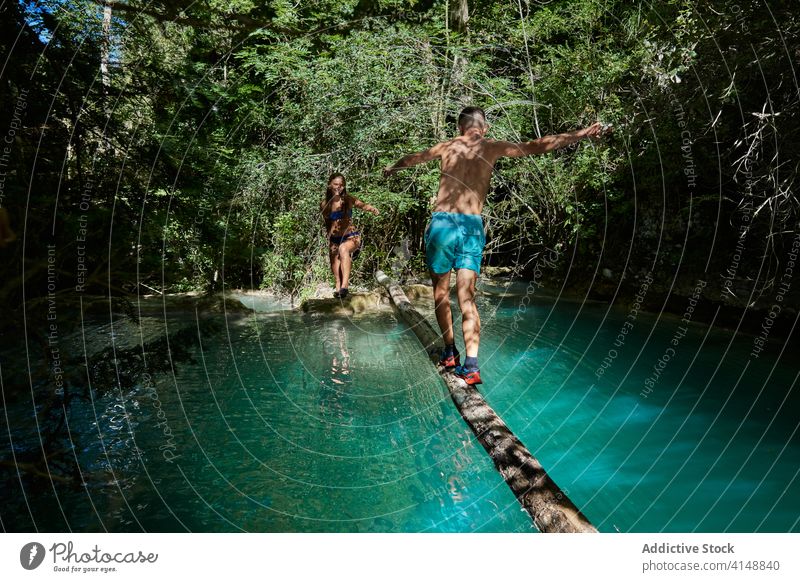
207, 156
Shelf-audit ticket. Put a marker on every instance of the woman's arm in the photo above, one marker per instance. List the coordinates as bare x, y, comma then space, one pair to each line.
363, 205
325, 220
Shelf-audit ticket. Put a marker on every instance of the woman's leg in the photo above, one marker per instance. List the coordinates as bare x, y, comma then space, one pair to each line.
345, 258
335, 267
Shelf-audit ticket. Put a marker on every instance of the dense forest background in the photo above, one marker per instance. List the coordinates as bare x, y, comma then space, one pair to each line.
172, 146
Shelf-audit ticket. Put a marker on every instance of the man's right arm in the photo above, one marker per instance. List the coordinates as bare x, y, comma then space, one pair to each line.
544, 144
433, 153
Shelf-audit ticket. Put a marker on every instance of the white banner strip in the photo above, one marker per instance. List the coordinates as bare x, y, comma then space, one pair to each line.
373, 557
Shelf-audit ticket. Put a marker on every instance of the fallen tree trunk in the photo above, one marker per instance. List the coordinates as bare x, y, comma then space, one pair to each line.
549, 507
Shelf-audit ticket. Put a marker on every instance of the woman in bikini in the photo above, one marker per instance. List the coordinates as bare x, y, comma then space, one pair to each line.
344, 241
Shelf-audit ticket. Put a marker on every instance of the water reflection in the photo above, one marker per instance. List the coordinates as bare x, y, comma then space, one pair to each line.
340, 356
334, 401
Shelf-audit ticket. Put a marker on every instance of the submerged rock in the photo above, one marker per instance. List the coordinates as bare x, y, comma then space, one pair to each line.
417, 292
214, 303
354, 303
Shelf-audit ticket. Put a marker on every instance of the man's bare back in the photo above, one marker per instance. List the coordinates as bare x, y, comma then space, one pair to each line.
467, 162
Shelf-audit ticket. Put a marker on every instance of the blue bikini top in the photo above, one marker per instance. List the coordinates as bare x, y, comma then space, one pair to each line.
339, 214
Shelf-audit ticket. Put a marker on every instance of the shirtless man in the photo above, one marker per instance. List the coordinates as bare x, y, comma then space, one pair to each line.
454, 238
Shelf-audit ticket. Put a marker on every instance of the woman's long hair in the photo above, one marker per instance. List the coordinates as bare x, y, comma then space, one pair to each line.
329, 192
329, 195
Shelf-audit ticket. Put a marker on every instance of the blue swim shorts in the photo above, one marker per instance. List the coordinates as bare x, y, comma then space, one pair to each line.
454, 241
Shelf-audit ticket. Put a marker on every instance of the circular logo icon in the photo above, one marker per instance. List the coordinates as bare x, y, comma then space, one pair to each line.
31, 555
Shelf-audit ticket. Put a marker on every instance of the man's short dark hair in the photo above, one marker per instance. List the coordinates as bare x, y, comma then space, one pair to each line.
471, 117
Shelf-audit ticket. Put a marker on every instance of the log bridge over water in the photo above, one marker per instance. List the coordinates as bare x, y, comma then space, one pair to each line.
549, 507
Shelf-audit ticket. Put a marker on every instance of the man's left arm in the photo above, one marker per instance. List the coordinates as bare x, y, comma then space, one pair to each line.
544, 144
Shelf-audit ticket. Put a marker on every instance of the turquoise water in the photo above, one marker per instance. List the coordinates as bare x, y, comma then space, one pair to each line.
289, 422
707, 441
283, 422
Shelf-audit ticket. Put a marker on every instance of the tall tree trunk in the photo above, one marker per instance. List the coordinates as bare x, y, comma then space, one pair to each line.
459, 15
105, 48
105, 73
522, 18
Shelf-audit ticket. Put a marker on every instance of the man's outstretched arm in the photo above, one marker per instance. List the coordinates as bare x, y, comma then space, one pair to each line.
433, 153
545, 144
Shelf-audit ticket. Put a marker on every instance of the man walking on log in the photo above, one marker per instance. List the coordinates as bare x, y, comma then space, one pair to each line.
454, 238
